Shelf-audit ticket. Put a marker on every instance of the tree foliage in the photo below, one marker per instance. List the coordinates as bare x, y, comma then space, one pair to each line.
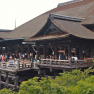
75, 82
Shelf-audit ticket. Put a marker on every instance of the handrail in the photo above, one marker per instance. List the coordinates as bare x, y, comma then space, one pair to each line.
70, 63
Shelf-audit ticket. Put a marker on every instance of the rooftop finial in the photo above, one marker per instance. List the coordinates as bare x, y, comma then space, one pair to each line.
15, 23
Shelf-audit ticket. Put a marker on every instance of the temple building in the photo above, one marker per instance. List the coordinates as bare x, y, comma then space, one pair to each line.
67, 29
62, 39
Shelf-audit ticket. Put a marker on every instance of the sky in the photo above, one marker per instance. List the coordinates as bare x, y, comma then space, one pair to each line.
21, 11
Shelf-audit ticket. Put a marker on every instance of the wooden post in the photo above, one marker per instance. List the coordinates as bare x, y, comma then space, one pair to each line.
63, 70
18, 64
7, 79
39, 71
21, 48
6, 49
28, 51
16, 81
16, 50
0, 80
37, 54
56, 52
44, 51
91, 51
80, 52
50, 69
1, 49
69, 51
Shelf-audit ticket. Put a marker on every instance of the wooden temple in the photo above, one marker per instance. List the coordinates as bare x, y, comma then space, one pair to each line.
68, 30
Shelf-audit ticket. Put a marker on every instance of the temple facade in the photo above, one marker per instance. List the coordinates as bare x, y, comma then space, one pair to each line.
68, 29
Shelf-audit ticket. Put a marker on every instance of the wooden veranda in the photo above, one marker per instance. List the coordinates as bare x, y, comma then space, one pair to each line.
9, 71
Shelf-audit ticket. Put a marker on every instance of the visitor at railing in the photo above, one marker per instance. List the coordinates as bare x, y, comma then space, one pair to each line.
61, 56
6, 58
47, 57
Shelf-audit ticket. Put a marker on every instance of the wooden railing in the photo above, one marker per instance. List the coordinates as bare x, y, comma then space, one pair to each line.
16, 66
49, 62
69, 63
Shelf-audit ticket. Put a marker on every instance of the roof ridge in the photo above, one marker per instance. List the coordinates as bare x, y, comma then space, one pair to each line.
69, 2
63, 17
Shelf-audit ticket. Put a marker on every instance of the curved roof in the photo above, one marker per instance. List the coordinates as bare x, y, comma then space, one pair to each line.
74, 28
67, 26
81, 9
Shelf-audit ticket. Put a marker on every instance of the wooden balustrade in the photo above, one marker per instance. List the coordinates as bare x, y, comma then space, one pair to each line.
15, 66
48, 62
69, 63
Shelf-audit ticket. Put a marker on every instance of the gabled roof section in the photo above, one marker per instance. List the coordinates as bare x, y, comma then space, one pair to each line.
73, 28
67, 26
49, 27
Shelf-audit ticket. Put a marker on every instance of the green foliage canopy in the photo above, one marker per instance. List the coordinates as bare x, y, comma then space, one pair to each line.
75, 82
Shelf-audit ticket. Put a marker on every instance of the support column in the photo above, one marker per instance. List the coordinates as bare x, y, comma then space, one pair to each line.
6, 49
16, 50
16, 81
21, 48
63, 70
0, 80
7, 79
1, 49
44, 51
56, 52
37, 54
69, 51
28, 51
10, 49
80, 52
91, 51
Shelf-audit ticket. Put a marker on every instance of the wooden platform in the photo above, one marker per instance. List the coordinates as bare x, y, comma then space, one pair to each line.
9, 71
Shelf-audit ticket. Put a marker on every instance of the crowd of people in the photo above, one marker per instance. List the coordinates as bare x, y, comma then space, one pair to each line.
5, 57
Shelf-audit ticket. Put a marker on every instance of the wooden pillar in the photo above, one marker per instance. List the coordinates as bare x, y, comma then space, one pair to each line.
21, 47
37, 54
56, 52
1, 49
28, 51
10, 49
0, 80
16, 50
39, 71
44, 51
7, 79
63, 70
6, 49
80, 52
91, 51
16, 81
69, 51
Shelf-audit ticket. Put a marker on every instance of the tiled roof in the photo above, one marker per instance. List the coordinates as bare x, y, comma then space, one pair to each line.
4, 33
81, 9
68, 27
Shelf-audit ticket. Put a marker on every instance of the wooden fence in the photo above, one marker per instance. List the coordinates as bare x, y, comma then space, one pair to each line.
66, 63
